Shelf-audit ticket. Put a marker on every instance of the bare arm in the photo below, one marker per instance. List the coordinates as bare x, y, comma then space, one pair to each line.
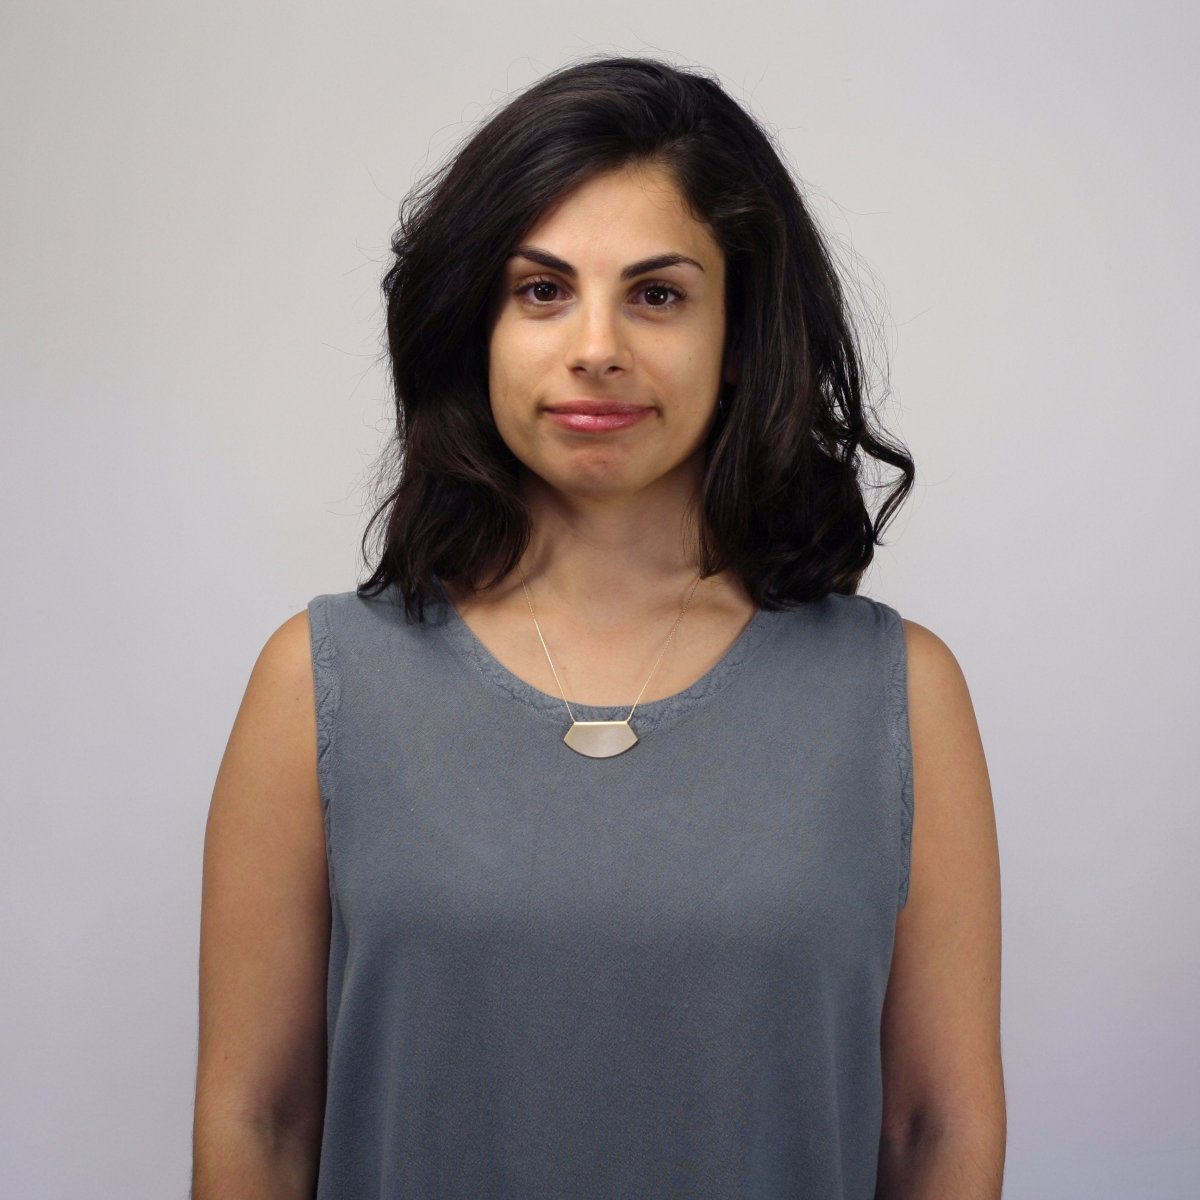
264, 944
944, 1126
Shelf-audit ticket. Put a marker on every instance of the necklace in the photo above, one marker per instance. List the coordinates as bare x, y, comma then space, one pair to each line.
602, 739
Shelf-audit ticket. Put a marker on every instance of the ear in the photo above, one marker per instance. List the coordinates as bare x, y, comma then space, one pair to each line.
729, 373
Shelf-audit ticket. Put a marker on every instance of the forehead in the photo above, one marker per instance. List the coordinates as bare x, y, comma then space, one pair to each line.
628, 213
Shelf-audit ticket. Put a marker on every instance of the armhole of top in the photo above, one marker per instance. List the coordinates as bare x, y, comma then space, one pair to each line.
901, 735
328, 694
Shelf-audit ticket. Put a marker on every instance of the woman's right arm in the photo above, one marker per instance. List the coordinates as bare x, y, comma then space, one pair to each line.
264, 943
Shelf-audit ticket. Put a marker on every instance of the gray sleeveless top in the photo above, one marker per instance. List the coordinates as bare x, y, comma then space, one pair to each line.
655, 975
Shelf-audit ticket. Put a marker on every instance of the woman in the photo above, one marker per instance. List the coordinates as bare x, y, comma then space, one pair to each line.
574, 853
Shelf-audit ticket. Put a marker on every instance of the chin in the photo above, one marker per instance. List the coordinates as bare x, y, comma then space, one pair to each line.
607, 481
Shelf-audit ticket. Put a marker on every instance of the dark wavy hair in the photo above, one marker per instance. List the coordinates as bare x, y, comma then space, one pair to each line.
782, 499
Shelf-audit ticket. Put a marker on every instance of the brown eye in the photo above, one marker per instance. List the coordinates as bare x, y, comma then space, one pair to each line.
660, 295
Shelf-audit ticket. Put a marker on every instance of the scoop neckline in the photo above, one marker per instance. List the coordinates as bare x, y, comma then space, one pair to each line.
651, 714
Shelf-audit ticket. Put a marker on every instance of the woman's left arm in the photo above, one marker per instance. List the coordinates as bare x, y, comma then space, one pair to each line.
944, 1122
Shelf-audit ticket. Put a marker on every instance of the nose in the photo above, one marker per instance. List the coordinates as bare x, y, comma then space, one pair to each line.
597, 346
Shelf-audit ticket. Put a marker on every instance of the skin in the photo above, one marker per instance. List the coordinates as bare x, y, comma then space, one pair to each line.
612, 557
583, 331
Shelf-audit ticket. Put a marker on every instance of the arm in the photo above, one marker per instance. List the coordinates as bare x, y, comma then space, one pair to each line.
264, 943
944, 1123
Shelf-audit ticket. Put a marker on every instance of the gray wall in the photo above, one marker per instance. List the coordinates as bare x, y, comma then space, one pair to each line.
196, 210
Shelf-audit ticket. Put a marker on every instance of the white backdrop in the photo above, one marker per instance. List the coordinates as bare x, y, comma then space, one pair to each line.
196, 209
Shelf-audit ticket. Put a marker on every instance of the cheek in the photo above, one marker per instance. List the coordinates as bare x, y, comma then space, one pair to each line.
504, 362
511, 388
515, 355
699, 369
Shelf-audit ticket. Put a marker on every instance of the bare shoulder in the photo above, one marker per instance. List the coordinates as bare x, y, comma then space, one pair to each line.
286, 657
269, 768
932, 665
942, 719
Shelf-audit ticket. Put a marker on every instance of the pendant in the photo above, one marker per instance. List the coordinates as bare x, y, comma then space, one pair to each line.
600, 739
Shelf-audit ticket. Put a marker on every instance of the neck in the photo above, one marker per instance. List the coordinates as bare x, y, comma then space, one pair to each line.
601, 559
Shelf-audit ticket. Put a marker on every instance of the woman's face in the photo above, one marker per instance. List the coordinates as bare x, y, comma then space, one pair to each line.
605, 355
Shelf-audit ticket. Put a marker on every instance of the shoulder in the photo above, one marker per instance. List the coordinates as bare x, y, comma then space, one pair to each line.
267, 778
953, 799
352, 616
938, 696
847, 616
273, 728
276, 709
286, 657
925, 648
932, 668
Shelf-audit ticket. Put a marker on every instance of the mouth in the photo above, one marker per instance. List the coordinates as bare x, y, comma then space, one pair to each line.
596, 416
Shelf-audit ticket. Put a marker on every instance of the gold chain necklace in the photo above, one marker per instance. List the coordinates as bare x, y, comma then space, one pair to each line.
602, 739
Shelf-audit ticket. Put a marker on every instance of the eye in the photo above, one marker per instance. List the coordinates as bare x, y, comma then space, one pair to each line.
661, 295
540, 292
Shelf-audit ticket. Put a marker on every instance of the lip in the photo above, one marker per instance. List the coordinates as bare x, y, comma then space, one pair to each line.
595, 408
597, 416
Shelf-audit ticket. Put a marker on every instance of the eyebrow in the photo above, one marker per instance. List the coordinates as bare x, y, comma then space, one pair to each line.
655, 263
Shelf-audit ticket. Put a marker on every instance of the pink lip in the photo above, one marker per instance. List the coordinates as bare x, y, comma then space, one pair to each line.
597, 416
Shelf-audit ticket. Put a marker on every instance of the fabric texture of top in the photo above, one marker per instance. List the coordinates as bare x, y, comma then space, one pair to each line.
655, 975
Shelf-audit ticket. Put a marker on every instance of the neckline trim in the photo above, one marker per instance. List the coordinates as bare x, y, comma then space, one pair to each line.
650, 715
